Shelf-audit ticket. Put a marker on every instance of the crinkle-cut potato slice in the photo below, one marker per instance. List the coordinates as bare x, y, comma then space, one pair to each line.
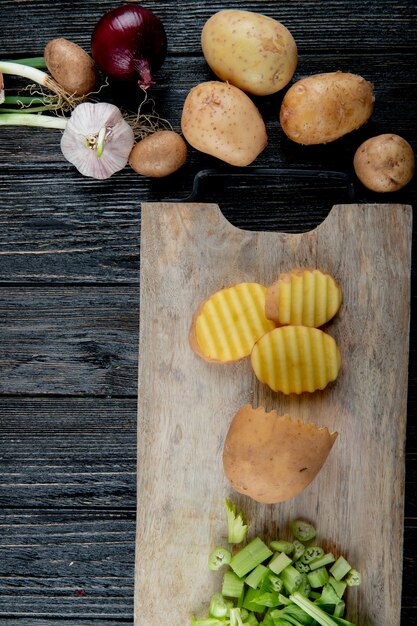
294, 359
303, 297
272, 458
227, 325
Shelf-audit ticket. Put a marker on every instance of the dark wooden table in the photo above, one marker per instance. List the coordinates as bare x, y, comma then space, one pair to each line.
69, 293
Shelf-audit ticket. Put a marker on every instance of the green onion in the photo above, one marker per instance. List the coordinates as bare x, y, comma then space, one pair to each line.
313, 610
299, 550
291, 578
318, 578
303, 531
354, 578
218, 606
46, 107
232, 585
326, 559
256, 576
38, 62
312, 553
282, 546
279, 562
28, 119
338, 585
237, 529
340, 568
249, 557
219, 557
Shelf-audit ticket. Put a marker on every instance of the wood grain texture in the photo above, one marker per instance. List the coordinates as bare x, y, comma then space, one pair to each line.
190, 251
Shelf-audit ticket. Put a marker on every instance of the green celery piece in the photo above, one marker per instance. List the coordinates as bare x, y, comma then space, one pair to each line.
340, 568
218, 606
299, 550
267, 620
232, 585
339, 609
301, 567
279, 562
219, 557
302, 530
256, 577
326, 559
237, 529
282, 546
329, 595
235, 617
250, 557
249, 602
338, 585
305, 587
284, 600
318, 578
314, 595
342, 622
315, 611
272, 583
291, 579
251, 620
353, 578
295, 612
311, 554
267, 598
207, 621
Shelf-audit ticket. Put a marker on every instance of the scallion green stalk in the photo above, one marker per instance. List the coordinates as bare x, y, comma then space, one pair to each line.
26, 71
249, 557
38, 62
29, 119
22, 100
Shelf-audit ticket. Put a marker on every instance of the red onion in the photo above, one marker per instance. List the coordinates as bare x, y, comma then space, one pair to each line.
129, 43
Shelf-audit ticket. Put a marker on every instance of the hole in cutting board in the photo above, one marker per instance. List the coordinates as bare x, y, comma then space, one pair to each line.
283, 205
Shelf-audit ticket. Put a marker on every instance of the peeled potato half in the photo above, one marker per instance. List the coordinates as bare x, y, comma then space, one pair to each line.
294, 359
303, 297
227, 325
272, 458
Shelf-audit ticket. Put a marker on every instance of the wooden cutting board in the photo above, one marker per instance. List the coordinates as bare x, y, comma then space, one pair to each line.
189, 251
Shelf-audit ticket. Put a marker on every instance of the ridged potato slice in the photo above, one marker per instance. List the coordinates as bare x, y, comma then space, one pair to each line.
306, 297
294, 359
272, 458
227, 325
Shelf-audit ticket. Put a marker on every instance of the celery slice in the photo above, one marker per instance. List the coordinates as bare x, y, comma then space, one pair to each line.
326, 559
207, 621
299, 550
291, 578
328, 596
314, 611
272, 583
235, 617
318, 578
237, 529
218, 606
249, 601
279, 562
305, 587
256, 576
219, 557
339, 609
338, 585
301, 567
311, 554
340, 568
302, 530
251, 620
232, 585
282, 546
250, 557
354, 578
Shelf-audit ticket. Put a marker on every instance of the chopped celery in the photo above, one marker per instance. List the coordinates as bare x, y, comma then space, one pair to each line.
291, 579
249, 557
251, 620
267, 598
313, 610
232, 585
207, 621
339, 609
283, 599
249, 601
304, 568
235, 617
237, 529
256, 576
272, 583
312, 553
267, 620
302, 530
282, 546
293, 612
328, 596
218, 606
342, 622
338, 585
219, 557
318, 578
299, 550
279, 562
354, 578
326, 559
340, 568
305, 587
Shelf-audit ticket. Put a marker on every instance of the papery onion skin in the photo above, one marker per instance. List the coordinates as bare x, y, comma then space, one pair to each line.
129, 43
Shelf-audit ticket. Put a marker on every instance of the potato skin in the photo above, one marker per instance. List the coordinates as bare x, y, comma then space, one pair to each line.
384, 163
271, 458
221, 120
159, 154
70, 66
251, 51
324, 107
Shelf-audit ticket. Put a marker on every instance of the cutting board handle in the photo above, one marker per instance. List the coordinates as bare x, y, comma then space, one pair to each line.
265, 172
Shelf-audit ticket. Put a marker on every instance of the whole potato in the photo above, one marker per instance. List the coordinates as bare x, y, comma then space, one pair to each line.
221, 120
252, 51
70, 66
159, 154
323, 107
384, 163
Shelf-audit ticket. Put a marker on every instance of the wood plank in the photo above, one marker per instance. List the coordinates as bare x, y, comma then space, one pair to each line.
313, 24
191, 251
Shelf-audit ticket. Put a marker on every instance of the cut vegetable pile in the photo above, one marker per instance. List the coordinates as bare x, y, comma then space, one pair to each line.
283, 584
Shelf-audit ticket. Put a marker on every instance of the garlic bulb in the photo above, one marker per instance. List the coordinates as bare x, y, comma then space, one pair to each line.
97, 140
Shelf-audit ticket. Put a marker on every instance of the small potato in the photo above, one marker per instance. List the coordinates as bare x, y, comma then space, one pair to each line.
221, 120
70, 66
252, 51
159, 154
384, 163
272, 458
324, 107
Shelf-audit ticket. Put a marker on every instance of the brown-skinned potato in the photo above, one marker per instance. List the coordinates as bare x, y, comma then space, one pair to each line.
272, 458
70, 66
160, 154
